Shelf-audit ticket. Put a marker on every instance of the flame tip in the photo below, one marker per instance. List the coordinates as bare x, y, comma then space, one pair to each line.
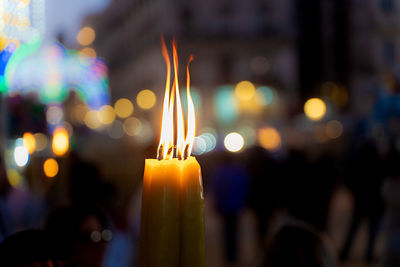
184, 143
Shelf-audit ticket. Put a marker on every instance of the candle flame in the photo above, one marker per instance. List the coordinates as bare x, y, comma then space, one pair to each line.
184, 144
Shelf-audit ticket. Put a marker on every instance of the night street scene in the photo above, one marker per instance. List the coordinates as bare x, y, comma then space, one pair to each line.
200, 133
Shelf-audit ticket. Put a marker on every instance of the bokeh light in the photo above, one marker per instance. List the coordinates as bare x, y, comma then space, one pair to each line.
91, 119
86, 36
264, 95
269, 138
29, 142
334, 129
106, 114
132, 126
234, 142
245, 90
315, 109
115, 130
60, 144
14, 178
68, 127
21, 156
41, 141
199, 146
123, 107
50, 168
88, 52
146, 99
54, 115
225, 105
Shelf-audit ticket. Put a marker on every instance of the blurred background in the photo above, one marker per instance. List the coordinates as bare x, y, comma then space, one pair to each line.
298, 121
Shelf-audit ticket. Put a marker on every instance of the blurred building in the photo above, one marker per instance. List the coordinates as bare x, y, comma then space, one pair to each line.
231, 41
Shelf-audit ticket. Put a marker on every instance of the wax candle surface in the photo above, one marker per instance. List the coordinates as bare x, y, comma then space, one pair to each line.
172, 223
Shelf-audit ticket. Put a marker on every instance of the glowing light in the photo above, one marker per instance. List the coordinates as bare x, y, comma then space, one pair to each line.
234, 142
41, 141
123, 108
264, 95
88, 52
29, 142
132, 126
52, 71
245, 90
146, 99
184, 144
21, 156
91, 120
106, 114
315, 109
54, 115
210, 140
50, 168
269, 138
225, 105
86, 36
60, 144
14, 178
334, 129
199, 146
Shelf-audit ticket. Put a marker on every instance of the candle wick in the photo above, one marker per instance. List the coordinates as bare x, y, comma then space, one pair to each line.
160, 151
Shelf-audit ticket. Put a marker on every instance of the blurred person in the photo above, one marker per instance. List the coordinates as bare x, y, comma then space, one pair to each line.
230, 190
86, 184
299, 245
264, 183
364, 177
81, 234
391, 194
307, 187
20, 208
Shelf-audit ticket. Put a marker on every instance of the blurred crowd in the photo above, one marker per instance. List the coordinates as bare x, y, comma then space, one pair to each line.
76, 220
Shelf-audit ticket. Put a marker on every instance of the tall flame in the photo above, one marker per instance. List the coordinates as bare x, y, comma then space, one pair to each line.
184, 144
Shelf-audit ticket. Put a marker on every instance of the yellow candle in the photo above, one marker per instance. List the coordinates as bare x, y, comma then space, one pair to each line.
172, 223
192, 215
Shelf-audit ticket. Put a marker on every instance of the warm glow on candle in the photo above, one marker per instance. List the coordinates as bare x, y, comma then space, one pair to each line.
184, 144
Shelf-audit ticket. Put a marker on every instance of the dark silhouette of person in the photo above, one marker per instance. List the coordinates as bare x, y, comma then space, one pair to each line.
364, 178
80, 234
308, 187
264, 188
230, 189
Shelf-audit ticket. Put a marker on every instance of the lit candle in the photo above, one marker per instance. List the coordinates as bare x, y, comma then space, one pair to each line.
172, 223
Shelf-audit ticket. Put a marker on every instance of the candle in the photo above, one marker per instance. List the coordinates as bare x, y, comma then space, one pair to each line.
172, 223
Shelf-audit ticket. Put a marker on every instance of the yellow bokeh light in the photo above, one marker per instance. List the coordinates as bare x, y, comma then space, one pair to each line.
14, 178
40, 141
269, 138
123, 108
91, 120
315, 109
50, 168
86, 36
29, 142
60, 144
234, 142
88, 52
245, 90
334, 129
146, 99
106, 114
